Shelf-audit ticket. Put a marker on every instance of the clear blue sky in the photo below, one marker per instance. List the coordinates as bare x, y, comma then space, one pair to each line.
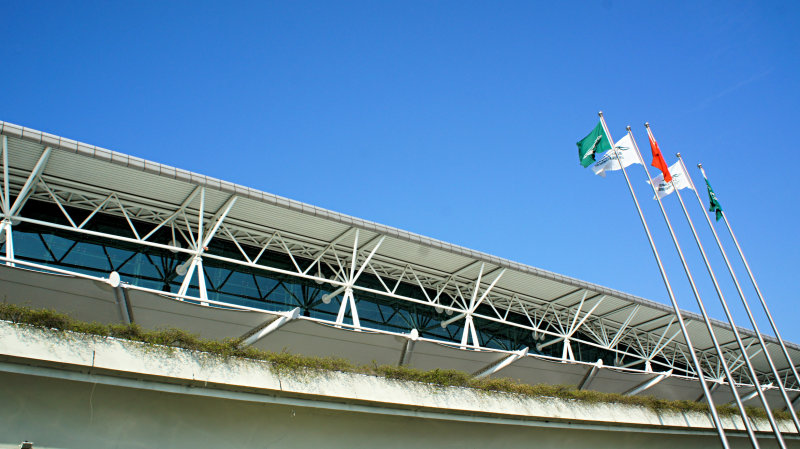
456, 120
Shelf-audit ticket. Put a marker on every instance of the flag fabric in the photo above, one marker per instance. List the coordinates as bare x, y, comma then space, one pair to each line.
624, 156
712, 199
678, 179
596, 142
658, 159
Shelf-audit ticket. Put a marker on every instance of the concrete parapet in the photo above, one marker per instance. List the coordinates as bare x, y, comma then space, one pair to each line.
35, 361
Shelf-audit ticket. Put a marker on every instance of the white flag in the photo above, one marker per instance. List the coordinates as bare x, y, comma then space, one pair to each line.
626, 153
679, 180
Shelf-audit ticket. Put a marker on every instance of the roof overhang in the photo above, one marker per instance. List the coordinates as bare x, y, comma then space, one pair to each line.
96, 172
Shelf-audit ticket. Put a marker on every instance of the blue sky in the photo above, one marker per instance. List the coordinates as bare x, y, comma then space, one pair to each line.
455, 120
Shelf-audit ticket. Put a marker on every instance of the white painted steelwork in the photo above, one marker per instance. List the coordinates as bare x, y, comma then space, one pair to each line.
462, 285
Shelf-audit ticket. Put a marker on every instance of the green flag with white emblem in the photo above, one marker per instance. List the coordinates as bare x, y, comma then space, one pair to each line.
712, 199
596, 142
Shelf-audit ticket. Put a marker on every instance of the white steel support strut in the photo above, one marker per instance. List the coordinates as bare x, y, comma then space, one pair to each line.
753, 393
272, 327
658, 348
5, 224
492, 368
5, 194
647, 384
469, 326
173, 215
30, 183
408, 347
737, 364
587, 379
326, 298
348, 299
22, 196
322, 252
573, 327
200, 245
713, 388
621, 332
121, 297
486, 292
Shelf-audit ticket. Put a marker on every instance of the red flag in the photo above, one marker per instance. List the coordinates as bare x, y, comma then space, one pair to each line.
658, 160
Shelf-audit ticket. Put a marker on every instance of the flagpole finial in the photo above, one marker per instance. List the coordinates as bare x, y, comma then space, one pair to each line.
600, 113
628, 127
699, 165
678, 155
646, 124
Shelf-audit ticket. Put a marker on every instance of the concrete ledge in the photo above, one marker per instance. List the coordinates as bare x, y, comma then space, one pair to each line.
77, 357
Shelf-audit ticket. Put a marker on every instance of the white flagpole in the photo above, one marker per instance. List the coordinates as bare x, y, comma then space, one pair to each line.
749, 312
737, 337
711, 407
696, 294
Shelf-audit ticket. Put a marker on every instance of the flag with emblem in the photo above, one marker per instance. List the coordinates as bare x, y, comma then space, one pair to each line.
714, 203
678, 180
622, 155
596, 142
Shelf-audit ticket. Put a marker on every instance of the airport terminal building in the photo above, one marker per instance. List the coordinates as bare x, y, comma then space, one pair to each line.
112, 238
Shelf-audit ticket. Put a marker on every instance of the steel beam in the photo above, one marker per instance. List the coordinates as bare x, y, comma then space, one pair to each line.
271, 327
408, 347
714, 385
647, 384
494, 367
30, 183
752, 394
589, 377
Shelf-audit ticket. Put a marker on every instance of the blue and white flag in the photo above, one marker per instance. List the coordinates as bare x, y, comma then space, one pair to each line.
679, 181
610, 161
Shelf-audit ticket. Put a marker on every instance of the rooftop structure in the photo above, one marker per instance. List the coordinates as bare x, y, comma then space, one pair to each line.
114, 238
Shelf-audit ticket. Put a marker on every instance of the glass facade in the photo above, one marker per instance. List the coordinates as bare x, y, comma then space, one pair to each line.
155, 268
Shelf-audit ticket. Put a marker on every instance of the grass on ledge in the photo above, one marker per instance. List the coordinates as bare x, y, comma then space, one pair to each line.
285, 362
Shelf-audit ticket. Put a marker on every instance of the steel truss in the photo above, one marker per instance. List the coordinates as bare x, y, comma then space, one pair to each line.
459, 300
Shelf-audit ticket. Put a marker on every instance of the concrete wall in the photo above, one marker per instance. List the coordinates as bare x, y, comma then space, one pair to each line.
56, 413
73, 391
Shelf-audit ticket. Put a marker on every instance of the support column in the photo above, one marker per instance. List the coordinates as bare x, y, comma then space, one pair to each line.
587, 379
11, 210
647, 384
271, 327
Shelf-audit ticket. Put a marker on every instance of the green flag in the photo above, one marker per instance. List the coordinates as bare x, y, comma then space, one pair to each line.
712, 199
596, 142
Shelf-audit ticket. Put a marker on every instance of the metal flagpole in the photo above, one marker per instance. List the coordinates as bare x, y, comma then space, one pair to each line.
696, 293
758, 290
742, 348
750, 315
711, 407
726, 369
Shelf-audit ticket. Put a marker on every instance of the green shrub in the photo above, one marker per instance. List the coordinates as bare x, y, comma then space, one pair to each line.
286, 362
